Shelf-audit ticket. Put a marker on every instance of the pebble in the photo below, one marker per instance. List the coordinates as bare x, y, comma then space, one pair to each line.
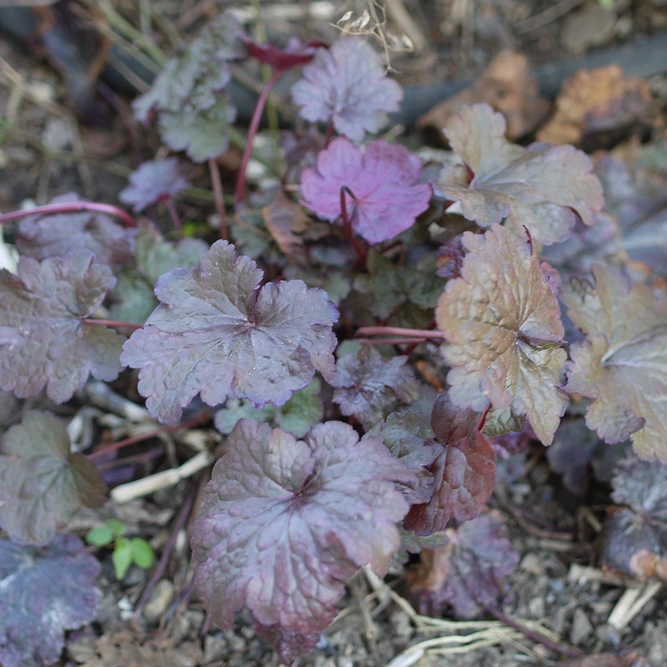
532, 564
581, 628
215, 647
401, 624
158, 601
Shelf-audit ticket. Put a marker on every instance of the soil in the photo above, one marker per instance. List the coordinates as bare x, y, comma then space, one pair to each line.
46, 150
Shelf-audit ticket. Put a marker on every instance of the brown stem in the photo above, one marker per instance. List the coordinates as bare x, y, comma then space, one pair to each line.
171, 207
114, 446
330, 131
361, 252
399, 331
114, 323
214, 170
70, 207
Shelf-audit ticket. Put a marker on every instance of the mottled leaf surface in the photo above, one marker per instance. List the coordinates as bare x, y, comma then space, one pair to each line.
133, 298
466, 573
641, 527
464, 472
541, 187
284, 522
42, 236
369, 387
503, 329
45, 591
154, 181
347, 85
42, 483
297, 416
44, 338
218, 333
403, 436
622, 364
384, 181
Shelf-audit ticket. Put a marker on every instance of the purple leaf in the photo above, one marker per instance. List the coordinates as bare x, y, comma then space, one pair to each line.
280, 60
369, 387
289, 644
44, 339
504, 333
44, 592
347, 85
218, 333
401, 434
283, 523
152, 182
42, 483
622, 364
642, 528
42, 236
540, 187
464, 472
467, 573
384, 181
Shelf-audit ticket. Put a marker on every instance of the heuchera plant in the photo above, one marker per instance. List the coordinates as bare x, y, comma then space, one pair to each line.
296, 505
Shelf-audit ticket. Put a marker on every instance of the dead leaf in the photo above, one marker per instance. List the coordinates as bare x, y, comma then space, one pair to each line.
507, 86
284, 219
596, 102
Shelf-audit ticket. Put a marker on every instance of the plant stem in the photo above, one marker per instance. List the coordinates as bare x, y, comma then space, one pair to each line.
113, 323
107, 449
398, 331
252, 131
219, 198
174, 215
348, 227
330, 131
70, 207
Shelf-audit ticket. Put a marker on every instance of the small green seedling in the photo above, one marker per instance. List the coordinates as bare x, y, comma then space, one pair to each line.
126, 550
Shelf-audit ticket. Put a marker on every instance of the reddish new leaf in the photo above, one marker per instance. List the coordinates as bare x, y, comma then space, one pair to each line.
384, 181
42, 236
152, 182
44, 593
283, 523
622, 364
541, 187
464, 472
218, 333
467, 573
369, 387
42, 483
347, 85
504, 333
280, 60
45, 340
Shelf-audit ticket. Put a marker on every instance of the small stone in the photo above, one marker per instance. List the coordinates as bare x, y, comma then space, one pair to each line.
401, 624
532, 564
57, 135
236, 644
592, 26
158, 601
608, 635
215, 647
537, 607
581, 628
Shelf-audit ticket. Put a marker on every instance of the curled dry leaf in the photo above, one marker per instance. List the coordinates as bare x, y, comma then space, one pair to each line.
503, 330
285, 220
542, 188
622, 364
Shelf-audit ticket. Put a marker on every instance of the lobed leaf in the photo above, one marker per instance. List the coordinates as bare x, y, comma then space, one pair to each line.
45, 340
384, 182
347, 86
543, 188
503, 329
42, 483
218, 333
368, 387
622, 364
283, 523
42, 236
467, 572
154, 181
464, 471
44, 593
